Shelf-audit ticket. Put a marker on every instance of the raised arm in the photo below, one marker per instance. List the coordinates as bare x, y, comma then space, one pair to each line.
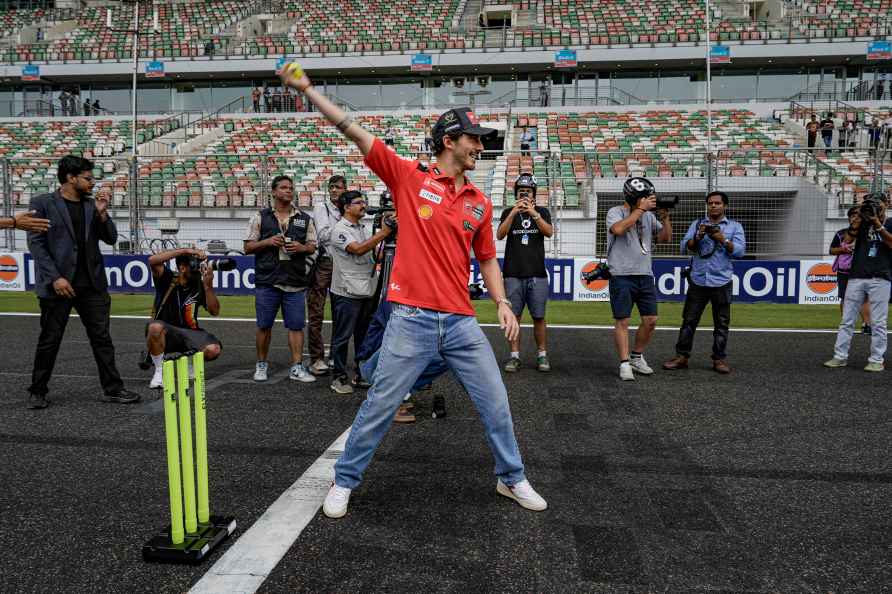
293, 76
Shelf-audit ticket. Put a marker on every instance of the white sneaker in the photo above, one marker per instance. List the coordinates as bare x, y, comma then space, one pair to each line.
300, 374
260, 371
639, 365
157, 380
335, 505
625, 372
319, 367
523, 494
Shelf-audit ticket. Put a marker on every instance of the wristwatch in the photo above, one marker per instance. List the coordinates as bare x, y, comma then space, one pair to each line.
505, 301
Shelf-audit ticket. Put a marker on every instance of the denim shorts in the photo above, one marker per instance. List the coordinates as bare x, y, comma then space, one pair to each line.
532, 292
626, 291
268, 300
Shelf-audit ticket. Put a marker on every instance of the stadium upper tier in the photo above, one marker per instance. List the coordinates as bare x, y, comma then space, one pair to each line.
566, 150
194, 28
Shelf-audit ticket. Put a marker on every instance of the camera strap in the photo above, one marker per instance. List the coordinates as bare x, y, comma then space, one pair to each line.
155, 312
715, 245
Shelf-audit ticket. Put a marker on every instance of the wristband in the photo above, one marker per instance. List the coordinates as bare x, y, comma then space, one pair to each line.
13, 221
503, 301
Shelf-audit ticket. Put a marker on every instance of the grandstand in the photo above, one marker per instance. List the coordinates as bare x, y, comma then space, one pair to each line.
206, 158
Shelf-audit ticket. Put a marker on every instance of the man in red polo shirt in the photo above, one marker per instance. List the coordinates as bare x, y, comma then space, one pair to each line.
442, 216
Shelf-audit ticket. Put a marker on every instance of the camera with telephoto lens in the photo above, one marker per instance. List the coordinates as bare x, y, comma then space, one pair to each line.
475, 290
599, 272
222, 264
384, 216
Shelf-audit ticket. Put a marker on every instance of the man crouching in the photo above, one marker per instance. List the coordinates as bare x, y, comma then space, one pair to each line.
174, 328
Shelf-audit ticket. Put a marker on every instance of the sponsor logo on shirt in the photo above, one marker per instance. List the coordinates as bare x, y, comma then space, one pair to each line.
300, 223
467, 226
394, 287
427, 195
435, 185
478, 212
425, 211
342, 238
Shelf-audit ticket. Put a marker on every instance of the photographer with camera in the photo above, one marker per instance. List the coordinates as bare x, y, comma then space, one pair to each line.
843, 246
432, 315
326, 214
353, 284
869, 277
631, 228
174, 327
526, 282
283, 241
714, 242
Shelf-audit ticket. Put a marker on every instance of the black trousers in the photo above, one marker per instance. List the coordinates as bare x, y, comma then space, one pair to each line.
93, 308
351, 317
695, 302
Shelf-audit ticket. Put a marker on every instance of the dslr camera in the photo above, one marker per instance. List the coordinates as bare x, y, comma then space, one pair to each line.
871, 205
666, 201
599, 272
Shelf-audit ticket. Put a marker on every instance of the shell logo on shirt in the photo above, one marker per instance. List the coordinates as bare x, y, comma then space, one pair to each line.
425, 211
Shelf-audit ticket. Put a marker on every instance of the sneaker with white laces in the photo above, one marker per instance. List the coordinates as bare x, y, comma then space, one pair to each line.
523, 494
335, 505
834, 362
300, 374
639, 365
341, 385
157, 380
625, 372
260, 371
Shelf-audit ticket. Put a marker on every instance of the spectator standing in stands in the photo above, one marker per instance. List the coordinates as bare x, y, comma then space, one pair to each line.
88, 108
97, 109
267, 100
389, 136
715, 242
838, 124
63, 101
887, 126
827, 128
631, 228
70, 274
525, 139
428, 137
255, 98
848, 135
543, 94
353, 284
209, 48
277, 100
432, 319
26, 221
881, 86
287, 100
174, 327
526, 281
875, 133
326, 214
298, 102
843, 246
811, 129
283, 241
869, 277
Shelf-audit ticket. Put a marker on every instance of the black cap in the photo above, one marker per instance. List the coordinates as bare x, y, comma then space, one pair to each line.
460, 120
525, 180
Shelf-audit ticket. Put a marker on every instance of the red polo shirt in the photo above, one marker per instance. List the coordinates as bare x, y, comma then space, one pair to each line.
437, 229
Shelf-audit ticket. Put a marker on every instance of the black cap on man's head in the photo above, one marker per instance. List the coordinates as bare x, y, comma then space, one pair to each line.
460, 120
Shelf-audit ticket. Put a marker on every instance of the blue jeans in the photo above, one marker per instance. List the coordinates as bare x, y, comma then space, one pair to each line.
414, 338
434, 369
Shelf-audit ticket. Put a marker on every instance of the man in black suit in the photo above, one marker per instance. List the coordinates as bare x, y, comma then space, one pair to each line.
70, 273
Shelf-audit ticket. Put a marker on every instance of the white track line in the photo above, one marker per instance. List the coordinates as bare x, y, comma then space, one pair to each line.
250, 560
550, 326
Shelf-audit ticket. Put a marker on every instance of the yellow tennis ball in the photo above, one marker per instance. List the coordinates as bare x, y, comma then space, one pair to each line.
294, 69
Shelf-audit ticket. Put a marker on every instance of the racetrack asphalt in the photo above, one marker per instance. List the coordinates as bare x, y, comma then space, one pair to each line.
776, 478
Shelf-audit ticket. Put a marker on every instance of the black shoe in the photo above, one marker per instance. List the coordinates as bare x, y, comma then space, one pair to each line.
359, 382
122, 397
36, 401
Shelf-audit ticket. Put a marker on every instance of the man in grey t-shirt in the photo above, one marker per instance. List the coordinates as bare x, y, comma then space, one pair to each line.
631, 229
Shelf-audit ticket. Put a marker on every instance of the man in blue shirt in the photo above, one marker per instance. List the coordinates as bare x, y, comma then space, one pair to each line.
713, 242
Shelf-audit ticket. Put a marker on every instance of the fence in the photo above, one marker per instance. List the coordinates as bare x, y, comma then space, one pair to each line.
785, 199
